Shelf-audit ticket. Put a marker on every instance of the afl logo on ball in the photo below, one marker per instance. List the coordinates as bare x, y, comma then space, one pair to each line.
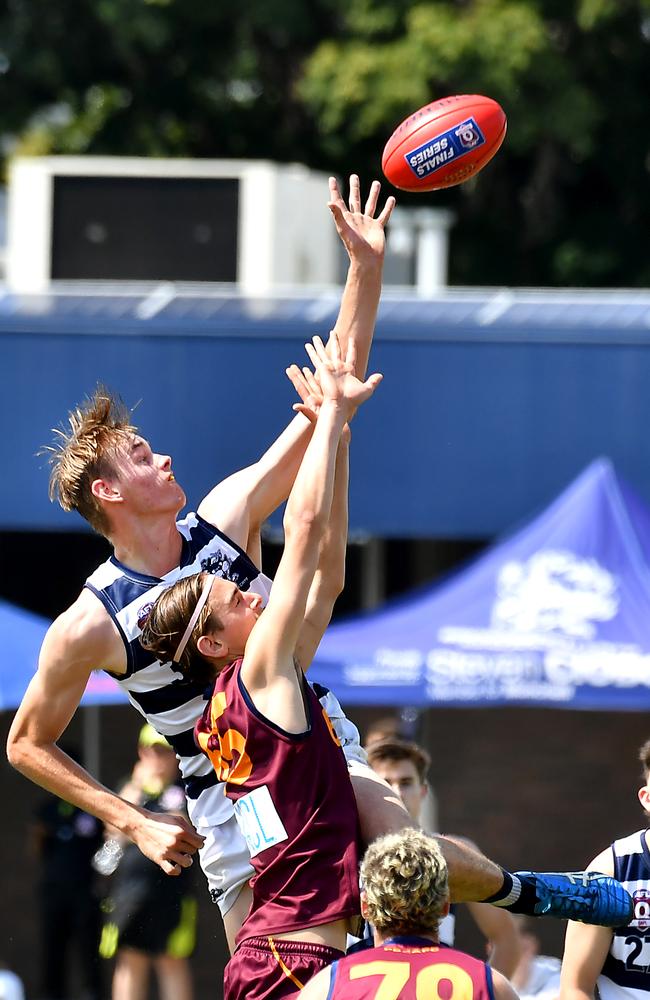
468, 134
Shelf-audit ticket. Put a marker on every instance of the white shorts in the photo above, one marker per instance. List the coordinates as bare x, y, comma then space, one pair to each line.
224, 856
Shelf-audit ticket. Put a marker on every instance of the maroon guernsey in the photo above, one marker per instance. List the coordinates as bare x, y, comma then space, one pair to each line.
410, 968
295, 806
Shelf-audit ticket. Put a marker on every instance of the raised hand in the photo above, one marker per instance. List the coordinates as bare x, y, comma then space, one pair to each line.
306, 385
361, 233
336, 377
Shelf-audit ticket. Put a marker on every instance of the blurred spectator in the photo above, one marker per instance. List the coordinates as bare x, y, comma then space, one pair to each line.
64, 839
392, 727
385, 728
536, 975
151, 917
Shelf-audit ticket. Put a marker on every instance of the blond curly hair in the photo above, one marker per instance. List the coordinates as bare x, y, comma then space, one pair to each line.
404, 878
83, 451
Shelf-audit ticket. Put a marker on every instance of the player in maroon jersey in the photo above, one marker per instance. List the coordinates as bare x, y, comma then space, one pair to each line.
204, 625
265, 731
405, 895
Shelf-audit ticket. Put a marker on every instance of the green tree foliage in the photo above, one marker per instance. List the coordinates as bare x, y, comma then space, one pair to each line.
158, 77
566, 200
325, 82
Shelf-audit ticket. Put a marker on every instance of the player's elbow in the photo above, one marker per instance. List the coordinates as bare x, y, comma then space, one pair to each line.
22, 752
17, 751
304, 525
333, 581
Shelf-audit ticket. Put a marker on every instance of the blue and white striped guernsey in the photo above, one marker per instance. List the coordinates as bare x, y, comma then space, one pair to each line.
171, 704
626, 972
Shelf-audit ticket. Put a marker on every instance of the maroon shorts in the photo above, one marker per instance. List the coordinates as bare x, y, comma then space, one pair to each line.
265, 968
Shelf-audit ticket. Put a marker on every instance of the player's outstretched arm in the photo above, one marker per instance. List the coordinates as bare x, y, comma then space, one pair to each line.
271, 647
329, 578
363, 233
73, 647
243, 501
585, 947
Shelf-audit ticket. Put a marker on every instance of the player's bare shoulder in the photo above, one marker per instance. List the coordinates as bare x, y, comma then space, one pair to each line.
85, 635
603, 862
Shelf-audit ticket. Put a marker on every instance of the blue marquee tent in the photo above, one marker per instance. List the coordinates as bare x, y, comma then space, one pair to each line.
557, 614
22, 634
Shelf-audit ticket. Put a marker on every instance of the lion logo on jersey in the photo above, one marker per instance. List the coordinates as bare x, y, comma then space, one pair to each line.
554, 590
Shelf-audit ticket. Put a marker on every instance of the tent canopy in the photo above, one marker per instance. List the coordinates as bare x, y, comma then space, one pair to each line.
22, 635
557, 614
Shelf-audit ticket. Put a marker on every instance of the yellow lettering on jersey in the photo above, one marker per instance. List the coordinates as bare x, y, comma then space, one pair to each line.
395, 976
330, 727
427, 983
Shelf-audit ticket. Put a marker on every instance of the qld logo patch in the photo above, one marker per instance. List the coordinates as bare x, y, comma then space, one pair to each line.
441, 149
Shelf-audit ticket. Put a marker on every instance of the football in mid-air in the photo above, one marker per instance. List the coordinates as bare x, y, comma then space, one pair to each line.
444, 143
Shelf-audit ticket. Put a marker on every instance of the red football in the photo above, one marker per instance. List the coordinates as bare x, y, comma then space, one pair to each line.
444, 143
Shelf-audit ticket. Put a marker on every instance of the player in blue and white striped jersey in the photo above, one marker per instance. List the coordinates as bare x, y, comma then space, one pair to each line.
107, 472
615, 965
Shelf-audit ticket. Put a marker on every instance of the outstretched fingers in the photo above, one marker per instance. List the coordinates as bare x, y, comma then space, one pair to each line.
373, 381
311, 382
298, 381
386, 211
373, 197
318, 353
355, 193
308, 390
335, 193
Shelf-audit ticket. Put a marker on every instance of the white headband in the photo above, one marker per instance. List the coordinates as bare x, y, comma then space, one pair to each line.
200, 604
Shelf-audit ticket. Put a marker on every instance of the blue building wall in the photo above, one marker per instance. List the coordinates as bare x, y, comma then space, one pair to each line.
477, 424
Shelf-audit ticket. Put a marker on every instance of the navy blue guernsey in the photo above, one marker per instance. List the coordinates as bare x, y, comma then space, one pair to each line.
158, 691
626, 972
